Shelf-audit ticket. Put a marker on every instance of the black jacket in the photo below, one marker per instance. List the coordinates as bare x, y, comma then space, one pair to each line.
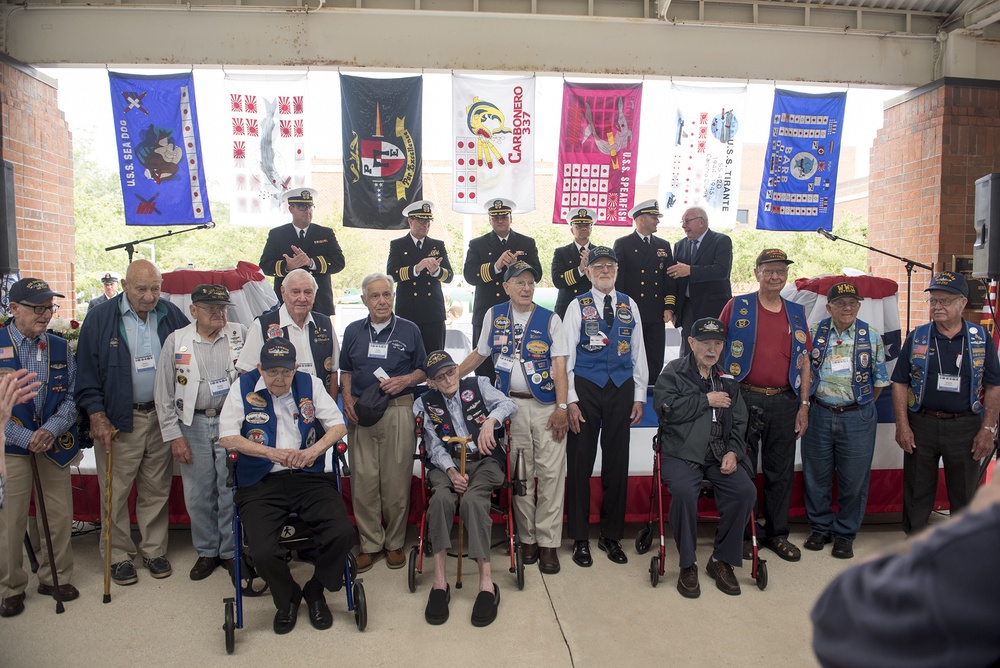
320, 245
709, 280
483, 254
418, 299
642, 275
565, 262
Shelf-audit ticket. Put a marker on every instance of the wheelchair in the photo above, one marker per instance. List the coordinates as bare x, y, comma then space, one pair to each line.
644, 539
295, 537
501, 511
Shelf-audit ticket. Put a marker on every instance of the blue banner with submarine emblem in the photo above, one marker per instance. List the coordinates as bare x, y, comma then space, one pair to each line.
799, 184
159, 149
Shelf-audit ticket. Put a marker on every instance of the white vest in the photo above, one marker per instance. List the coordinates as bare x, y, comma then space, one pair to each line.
187, 391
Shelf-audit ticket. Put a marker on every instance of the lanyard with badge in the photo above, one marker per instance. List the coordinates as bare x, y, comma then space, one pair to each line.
838, 363
948, 382
147, 361
378, 350
506, 362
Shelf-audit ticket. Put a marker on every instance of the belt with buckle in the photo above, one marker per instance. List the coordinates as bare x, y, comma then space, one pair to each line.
456, 454
208, 412
766, 391
144, 407
941, 415
839, 409
521, 395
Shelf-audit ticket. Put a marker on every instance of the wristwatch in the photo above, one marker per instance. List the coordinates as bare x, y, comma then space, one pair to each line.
804, 403
563, 407
992, 430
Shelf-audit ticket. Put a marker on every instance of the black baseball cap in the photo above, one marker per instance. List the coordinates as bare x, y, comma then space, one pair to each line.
946, 281
438, 360
31, 291
842, 290
598, 252
706, 329
772, 255
519, 268
277, 353
210, 294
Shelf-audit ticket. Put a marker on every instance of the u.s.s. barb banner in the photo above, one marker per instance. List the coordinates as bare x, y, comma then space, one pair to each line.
382, 149
707, 152
799, 184
268, 144
598, 150
159, 149
493, 144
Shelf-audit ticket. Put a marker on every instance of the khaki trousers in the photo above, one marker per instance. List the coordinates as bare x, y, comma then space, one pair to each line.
538, 521
381, 471
143, 458
14, 522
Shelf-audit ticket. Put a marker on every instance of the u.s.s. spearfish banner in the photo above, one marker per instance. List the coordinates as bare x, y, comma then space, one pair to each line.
159, 149
268, 144
382, 149
708, 151
598, 150
494, 148
799, 184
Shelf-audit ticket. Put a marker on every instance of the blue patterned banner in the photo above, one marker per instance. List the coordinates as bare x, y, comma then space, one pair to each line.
159, 150
799, 185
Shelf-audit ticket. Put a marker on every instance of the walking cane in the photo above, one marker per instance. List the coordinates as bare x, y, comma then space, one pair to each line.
40, 499
461, 442
107, 520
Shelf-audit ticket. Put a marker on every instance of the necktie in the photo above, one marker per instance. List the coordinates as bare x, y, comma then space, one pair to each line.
420, 244
503, 243
694, 250
609, 311
302, 234
645, 240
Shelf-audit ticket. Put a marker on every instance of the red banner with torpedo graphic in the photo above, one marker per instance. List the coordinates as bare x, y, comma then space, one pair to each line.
598, 150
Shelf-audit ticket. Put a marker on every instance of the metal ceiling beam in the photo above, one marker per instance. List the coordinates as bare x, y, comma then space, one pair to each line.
183, 35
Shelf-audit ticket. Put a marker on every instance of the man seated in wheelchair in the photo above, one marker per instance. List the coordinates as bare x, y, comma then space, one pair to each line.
458, 409
703, 422
272, 418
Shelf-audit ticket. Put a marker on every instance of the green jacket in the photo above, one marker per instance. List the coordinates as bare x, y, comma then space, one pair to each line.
685, 429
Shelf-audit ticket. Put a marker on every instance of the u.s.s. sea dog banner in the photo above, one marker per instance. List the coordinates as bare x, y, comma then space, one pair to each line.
159, 149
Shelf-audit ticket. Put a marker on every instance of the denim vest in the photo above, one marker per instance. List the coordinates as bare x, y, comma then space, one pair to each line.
864, 376
741, 337
975, 350
613, 359
533, 355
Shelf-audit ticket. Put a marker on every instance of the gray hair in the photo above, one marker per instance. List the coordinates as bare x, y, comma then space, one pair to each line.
700, 212
371, 278
298, 275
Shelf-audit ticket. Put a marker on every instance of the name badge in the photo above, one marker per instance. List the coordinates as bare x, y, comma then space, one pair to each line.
840, 365
306, 367
597, 340
145, 363
529, 368
378, 350
218, 386
948, 383
505, 362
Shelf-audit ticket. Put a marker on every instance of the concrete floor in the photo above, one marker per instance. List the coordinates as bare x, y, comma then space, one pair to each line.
600, 616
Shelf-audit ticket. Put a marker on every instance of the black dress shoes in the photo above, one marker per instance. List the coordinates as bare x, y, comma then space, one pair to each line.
614, 550
284, 619
816, 541
12, 605
581, 553
319, 612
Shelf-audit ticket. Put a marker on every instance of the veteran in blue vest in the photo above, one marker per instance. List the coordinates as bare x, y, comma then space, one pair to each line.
767, 340
462, 408
848, 374
273, 418
311, 332
946, 397
199, 365
528, 351
46, 427
607, 382
118, 355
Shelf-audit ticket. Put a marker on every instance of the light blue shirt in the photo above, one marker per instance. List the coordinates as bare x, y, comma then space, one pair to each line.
142, 340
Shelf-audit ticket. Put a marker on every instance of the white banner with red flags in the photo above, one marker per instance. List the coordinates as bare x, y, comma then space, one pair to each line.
268, 145
707, 151
493, 145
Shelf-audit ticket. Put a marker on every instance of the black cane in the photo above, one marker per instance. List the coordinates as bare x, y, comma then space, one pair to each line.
40, 498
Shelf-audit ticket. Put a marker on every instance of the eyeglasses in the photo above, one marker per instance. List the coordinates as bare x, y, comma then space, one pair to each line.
583, 224
302, 207
520, 285
40, 310
933, 301
275, 373
774, 272
446, 375
691, 220
845, 303
603, 265
213, 308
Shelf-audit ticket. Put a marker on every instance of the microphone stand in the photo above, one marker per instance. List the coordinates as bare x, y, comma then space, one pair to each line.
129, 246
907, 263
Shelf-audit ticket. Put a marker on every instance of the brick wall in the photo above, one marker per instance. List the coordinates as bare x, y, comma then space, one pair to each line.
935, 142
36, 139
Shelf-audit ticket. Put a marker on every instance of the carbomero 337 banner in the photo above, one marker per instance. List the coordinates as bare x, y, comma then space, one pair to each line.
159, 149
382, 149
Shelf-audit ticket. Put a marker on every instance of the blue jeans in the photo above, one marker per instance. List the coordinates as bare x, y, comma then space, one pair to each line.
209, 502
843, 443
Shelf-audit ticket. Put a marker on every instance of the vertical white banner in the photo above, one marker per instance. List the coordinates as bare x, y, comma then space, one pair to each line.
268, 145
494, 147
707, 151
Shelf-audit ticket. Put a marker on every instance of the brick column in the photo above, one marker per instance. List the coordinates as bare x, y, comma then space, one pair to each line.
935, 142
36, 139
